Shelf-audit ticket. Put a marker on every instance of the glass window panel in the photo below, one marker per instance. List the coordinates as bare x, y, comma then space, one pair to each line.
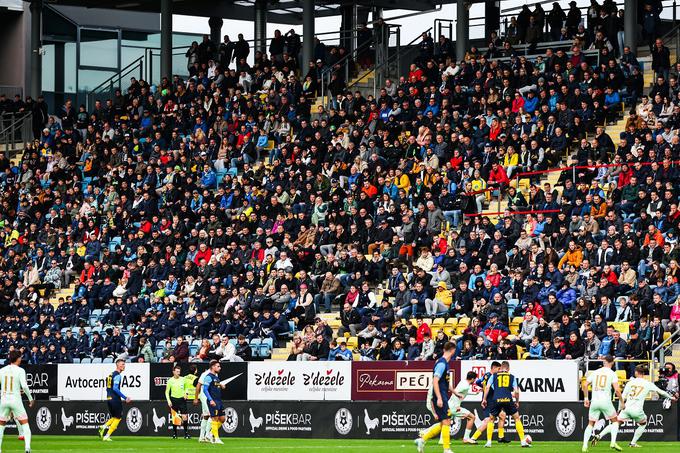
70, 67
99, 48
88, 79
48, 60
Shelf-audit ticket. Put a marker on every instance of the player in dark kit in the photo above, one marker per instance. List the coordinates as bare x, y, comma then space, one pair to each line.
487, 423
505, 398
212, 388
114, 399
442, 386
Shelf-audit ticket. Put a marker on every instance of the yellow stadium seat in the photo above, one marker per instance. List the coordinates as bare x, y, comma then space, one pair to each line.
514, 329
666, 336
449, 330
517, 320
427, 321
352, 342
437, 322
452, 321
621, 374
463, 321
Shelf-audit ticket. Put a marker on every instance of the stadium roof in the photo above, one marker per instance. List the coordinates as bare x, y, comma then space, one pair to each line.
278, 11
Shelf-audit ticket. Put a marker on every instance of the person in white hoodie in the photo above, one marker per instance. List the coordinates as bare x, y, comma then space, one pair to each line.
528, 329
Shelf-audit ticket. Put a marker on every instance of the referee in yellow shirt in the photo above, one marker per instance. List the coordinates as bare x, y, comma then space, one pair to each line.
175, 395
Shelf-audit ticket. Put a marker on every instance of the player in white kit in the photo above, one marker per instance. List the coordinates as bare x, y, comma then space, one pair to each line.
632, 404
455, 409
12, 383
602, 381
205, 435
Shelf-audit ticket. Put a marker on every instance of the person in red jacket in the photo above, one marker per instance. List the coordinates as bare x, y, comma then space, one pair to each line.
423, 328
204, 252
498, 179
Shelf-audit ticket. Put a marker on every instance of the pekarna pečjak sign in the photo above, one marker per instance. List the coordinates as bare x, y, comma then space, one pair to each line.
391, 380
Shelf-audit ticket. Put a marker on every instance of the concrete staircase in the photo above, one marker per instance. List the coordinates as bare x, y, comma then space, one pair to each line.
65, 292
365, 86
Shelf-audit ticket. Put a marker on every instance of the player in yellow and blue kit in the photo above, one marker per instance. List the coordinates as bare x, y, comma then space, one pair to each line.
442, 386
487, 423
212, 389
505, 398
114, 399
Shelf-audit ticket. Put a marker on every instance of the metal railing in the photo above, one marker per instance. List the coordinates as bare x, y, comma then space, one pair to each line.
378, 46
659, 353
12, 90
389, 68
16, 129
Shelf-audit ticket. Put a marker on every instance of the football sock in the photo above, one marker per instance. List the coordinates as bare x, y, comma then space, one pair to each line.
586, 436
174, 429
112, 427
216, 429
204, 424
477, 434
520, 429
489, 432
185, 425
467, 433
20, 428
2, 433
446, 436
638, 433
615, 432
27, 437
501, 430
432, 431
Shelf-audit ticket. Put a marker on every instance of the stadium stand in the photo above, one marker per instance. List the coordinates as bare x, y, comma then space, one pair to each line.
233, 215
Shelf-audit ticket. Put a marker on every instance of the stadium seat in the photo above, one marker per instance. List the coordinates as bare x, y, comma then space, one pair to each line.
193, 350
76, 360
452, 322
107, 360
86, 360
97, 360
437, 322
352, 342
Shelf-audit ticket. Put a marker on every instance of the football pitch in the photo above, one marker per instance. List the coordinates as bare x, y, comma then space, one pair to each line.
133, 444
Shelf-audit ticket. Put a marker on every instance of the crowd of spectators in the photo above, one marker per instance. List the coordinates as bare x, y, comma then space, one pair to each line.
222, 206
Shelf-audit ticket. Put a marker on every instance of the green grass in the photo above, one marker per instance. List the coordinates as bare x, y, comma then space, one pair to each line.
92, 444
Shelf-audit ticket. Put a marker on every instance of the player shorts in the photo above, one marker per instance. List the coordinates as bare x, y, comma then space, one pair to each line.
458, 412
115, 408
179, 405
205, 409
442, 413
509, 408
217, 410
635, 414
601, 408
14, 408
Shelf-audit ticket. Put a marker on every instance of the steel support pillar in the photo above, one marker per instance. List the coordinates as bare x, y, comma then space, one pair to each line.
261, 26
630, 27
308, 40
36, 9
215, 24
166, 39
462, 29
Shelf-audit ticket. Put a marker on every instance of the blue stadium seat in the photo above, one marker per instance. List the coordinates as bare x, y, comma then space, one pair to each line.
97, 360
193, 349
76, 360
108, 360
86, 360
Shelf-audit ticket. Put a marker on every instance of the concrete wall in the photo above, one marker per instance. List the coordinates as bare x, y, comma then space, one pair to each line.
13, 55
